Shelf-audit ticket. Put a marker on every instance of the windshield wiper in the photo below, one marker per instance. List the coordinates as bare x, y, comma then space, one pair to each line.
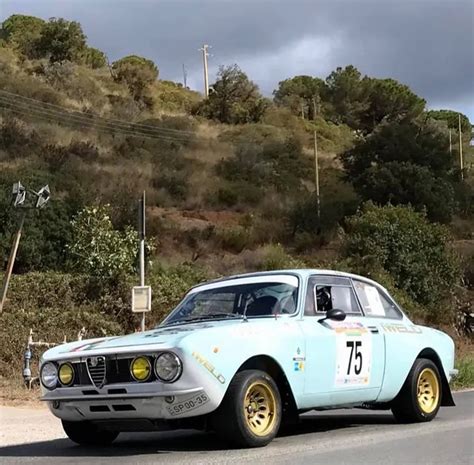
211, 316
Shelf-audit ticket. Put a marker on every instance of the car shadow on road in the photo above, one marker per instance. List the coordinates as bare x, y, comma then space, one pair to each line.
135, 444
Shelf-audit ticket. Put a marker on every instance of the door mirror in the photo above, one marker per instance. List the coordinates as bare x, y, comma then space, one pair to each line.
334, 314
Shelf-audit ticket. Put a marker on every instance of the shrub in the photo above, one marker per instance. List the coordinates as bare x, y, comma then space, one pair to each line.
416, 253
96, 248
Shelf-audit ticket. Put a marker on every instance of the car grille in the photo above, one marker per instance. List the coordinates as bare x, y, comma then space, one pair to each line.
117, 370
97, 370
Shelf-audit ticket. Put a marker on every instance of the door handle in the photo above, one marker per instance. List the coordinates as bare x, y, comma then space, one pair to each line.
373, 329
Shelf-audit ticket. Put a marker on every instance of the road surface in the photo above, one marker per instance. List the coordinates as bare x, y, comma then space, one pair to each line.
338, 437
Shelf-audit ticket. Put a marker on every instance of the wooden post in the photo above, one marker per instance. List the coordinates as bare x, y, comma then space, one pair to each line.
461, 161
11, 260
316, 175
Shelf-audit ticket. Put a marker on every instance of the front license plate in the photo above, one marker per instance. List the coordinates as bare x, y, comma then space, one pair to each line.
189, 404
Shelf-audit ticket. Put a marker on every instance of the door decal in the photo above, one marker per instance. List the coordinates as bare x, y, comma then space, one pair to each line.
353, 354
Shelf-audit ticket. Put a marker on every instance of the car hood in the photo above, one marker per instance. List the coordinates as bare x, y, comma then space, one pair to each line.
156, 339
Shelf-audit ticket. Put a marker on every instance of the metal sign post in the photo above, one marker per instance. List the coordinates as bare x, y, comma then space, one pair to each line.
141, 222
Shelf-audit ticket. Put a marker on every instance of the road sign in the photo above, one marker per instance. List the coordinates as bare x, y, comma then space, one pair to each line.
141, 299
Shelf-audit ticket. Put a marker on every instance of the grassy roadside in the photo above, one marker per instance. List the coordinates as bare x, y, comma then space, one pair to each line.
465, 379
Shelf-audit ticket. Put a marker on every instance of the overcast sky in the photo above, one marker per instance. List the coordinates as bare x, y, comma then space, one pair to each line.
427, 44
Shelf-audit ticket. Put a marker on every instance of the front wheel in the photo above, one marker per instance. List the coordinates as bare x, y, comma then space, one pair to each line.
250, 414
87, 434
420, 397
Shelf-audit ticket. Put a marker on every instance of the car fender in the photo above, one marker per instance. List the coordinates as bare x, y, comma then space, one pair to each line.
401, 352
220, 353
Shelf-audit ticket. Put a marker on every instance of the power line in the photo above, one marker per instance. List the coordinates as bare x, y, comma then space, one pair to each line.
81, 124
51, 106
35, 109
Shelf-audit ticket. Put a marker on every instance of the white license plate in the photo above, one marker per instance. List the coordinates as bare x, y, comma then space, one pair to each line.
189, 404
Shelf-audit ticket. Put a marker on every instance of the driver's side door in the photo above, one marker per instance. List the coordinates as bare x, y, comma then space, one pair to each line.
344, 359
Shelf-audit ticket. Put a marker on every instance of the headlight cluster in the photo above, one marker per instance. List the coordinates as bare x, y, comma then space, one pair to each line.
50, 375
168, 368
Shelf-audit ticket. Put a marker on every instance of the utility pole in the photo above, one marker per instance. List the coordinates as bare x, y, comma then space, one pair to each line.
11, 260
316, 176
315, 109
205, 55
142, 206
185, 77
302, 109
461, 161
19, 193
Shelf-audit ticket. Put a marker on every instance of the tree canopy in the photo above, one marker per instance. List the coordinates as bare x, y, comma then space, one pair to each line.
404, 162
301, 94
22, 32
137, 73
233, 98
61, 40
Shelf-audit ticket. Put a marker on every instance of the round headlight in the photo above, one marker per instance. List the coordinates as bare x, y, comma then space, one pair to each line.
49, 375
66, 374
140, 369
168, 367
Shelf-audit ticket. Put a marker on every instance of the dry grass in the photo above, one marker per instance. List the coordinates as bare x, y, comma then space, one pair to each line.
14, 393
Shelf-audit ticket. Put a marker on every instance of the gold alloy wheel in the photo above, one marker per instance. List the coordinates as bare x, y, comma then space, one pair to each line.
259, 407
428, 391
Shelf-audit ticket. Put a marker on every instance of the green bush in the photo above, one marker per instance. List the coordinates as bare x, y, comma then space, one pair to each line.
55, 306
416, 253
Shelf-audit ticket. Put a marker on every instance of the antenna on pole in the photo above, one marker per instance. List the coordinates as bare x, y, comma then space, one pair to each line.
205, 56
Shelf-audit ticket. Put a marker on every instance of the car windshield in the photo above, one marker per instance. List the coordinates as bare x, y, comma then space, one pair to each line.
249, 299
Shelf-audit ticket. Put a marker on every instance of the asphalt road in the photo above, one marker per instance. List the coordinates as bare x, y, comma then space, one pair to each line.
338, 437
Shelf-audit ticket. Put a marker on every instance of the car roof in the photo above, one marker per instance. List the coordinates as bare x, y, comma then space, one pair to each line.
301, 272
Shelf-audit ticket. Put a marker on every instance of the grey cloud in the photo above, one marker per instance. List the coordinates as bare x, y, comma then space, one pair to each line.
427, 44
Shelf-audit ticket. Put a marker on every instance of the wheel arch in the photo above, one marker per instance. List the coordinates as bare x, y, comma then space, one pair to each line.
273, 368
447, 397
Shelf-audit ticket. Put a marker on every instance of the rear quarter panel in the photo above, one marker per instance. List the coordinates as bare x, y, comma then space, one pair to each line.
404, 342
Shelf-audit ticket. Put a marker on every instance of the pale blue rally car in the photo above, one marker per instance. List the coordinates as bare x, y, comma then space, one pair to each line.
243, 355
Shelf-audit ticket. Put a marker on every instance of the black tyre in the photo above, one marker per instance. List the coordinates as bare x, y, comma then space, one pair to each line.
420, 397
250, 413
87, 434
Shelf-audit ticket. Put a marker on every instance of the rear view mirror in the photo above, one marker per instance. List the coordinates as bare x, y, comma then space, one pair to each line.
334, 314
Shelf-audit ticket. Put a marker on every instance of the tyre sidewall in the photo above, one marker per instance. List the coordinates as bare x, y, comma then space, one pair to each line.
235, 404
419, 366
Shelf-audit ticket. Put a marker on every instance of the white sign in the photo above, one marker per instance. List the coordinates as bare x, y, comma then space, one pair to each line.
353, 357
141, 299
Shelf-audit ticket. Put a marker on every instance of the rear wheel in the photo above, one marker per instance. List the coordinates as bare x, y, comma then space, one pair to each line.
87, 434
250, 414
420, 397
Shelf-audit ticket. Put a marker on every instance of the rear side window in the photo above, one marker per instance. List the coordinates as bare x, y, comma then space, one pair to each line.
375, 303
326, 293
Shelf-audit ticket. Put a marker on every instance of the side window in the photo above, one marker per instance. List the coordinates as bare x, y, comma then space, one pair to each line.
325, 293
374, 302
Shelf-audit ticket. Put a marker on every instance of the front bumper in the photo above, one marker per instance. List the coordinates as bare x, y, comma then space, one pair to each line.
127, 401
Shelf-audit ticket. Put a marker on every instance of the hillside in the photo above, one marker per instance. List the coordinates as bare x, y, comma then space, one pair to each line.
229, 180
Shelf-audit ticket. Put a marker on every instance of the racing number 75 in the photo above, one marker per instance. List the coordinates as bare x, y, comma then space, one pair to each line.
356, 355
